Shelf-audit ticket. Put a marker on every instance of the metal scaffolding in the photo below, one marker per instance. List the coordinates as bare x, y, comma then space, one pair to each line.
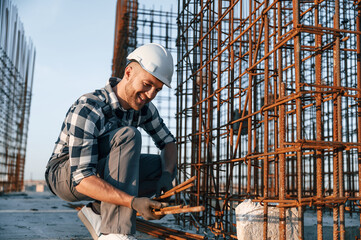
269, 109
17, 59
137, 26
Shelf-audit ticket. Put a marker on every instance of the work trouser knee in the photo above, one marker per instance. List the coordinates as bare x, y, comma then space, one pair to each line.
119, 166
58, 179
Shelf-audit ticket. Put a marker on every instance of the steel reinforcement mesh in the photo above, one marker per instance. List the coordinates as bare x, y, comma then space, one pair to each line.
159, 26
137, 25
269, 109
17, 59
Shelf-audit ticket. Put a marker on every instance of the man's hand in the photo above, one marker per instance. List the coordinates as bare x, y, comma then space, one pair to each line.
164, 183
144, 207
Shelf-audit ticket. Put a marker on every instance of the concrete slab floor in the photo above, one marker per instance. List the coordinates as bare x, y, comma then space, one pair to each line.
33, 215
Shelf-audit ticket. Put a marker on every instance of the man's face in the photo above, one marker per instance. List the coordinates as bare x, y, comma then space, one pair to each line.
142, 87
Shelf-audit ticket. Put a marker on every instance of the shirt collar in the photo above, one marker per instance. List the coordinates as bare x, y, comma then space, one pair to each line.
113, 100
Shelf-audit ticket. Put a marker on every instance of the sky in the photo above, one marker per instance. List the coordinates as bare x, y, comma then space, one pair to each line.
74, 42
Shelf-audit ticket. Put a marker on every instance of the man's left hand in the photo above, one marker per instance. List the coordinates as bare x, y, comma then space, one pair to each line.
164, 184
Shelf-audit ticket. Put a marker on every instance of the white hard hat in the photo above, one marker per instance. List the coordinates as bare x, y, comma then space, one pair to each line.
155, 59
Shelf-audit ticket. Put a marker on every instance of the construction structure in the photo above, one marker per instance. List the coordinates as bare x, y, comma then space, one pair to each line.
269, 109
268, 106
136, 26
17, 59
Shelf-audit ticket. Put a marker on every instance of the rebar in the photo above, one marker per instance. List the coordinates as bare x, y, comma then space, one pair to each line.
269, 108
162, 232
137, 25
17, 59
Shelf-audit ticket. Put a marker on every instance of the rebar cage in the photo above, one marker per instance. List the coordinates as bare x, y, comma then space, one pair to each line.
135, 26
269, 108
17, 60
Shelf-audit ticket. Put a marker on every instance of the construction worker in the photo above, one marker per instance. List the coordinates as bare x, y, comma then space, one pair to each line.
98, 153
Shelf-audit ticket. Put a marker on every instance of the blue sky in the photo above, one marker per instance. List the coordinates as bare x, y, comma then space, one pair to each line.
74, 49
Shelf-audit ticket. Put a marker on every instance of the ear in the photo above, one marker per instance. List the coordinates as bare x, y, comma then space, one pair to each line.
127, 72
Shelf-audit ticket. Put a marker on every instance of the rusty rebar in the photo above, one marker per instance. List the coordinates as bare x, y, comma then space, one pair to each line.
179, 188
179, 209
17, 61
160, 231
268, 96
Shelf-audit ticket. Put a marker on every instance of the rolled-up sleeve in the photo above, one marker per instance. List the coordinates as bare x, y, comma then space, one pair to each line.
83, 124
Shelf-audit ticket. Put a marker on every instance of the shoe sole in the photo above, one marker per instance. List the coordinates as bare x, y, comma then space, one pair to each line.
88, 225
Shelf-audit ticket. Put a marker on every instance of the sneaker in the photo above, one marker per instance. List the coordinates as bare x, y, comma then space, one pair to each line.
113, 236
91, 221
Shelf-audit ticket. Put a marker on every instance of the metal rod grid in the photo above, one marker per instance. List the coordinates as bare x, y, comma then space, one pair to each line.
269, 108
17, 59
159, 26
136, 26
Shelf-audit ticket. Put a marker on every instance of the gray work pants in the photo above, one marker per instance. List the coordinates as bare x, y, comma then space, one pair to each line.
121, 165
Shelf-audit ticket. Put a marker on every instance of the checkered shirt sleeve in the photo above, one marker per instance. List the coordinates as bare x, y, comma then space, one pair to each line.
83, 125
153, 124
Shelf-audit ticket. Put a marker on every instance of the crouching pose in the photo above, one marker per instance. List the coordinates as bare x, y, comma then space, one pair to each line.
97, 156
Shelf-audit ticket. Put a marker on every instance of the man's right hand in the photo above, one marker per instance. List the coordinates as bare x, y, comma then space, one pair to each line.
144, 207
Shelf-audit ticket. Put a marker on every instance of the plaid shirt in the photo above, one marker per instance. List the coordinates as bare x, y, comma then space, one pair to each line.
85, 122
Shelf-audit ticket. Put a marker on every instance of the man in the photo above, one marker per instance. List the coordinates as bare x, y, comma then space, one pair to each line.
97, 155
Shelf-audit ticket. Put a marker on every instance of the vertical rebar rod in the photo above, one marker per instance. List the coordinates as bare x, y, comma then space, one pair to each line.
339, 118
337, 124
319, 162
210, 117
282, 133
358, 49
266, 125
200, 109
218, 81
297, 63
250, 63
